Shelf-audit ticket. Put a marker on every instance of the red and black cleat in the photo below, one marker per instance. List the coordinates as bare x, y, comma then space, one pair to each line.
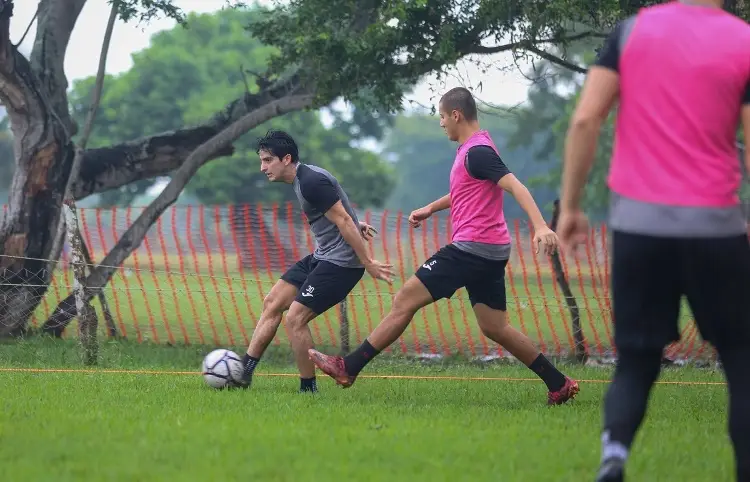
567, 392
333, 366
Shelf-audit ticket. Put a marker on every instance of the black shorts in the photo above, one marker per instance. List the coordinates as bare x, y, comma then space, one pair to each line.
650, 275
450, 269
321, 284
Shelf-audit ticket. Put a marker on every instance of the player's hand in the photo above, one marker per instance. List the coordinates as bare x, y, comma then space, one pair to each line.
418, 215
545, 238
380, 271
573, 227
367, 231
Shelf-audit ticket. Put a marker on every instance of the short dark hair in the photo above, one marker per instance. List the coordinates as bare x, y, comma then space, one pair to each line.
460, 99
278, 143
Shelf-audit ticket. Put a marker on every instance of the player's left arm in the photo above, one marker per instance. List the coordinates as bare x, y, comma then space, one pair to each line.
320, 192
482, 162
600, 91
523, 197
350, 231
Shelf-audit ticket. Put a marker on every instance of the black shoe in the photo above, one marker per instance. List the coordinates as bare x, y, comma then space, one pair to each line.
611, 470
244, 382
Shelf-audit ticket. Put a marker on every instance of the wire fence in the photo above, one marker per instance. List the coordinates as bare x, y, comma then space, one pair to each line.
202, 272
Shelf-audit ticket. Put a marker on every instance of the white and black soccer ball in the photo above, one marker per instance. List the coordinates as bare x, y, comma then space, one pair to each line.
222, 369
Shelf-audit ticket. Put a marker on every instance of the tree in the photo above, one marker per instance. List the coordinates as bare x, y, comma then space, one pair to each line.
325, 49
188, 73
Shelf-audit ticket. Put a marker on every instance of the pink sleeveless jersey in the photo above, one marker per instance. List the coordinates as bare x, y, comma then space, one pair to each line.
476, 205
683, 71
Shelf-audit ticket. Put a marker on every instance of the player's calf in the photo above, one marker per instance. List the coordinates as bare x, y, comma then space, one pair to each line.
265, 330
494, 325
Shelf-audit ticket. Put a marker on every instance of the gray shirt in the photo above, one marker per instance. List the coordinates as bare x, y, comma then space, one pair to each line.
317, 191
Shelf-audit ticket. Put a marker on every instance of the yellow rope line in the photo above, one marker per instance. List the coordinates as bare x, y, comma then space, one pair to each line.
398, 377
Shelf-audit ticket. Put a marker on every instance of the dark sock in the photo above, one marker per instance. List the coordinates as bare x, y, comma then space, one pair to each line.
627, 398
308, 385
249, 363
355, 361
550, 375
735, 369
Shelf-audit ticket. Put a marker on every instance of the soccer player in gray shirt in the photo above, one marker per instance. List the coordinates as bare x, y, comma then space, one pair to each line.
322, 279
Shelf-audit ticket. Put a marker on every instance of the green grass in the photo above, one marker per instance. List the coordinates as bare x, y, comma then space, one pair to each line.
128, 427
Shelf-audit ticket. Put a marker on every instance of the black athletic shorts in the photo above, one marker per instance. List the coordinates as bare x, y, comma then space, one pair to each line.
650, 275
450, 269
321, 284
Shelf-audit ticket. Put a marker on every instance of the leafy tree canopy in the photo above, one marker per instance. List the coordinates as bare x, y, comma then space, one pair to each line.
185, 75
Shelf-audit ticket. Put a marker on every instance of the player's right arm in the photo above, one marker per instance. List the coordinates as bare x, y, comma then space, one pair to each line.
440, 204
418, 215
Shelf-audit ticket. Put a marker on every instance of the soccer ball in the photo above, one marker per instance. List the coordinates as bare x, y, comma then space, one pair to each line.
222, 368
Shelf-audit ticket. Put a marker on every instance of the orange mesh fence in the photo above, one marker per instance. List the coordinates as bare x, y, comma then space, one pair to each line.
202, 272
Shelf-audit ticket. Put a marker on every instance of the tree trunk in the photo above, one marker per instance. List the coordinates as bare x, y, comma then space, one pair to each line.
562, 281
43, 156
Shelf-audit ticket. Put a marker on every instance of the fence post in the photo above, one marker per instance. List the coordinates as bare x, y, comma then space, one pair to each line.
570, 300
86, 316
344, 327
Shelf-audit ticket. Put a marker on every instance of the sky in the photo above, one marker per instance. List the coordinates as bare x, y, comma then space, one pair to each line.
501, 85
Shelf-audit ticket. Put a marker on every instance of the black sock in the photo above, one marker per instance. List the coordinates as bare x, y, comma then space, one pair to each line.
355, 361
308, 385
550, 375
627, 398
735, 369
249, 363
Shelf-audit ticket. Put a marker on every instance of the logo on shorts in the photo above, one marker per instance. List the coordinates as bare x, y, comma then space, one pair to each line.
428, 265
308, 291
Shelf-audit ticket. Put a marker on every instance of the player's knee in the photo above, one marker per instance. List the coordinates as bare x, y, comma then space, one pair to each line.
492, 323
403, 309
273, 305
406, 303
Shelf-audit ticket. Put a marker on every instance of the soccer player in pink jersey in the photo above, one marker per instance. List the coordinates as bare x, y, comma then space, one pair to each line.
475, 259
681, 71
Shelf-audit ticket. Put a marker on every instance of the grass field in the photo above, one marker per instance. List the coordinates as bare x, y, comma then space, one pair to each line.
71, 426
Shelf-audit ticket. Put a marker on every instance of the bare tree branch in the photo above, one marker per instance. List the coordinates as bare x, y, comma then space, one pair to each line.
111, 167
87, 129
56, 20
26, 32
533, 47
526, 44
133, 237
556, 60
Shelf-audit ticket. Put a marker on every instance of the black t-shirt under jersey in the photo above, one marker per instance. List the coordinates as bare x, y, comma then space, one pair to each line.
482, 162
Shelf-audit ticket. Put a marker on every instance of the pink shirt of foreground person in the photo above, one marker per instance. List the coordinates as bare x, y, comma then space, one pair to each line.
681, 73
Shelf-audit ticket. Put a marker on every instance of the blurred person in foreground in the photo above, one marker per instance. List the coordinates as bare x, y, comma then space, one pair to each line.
681, 72
475, 259
322, 279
